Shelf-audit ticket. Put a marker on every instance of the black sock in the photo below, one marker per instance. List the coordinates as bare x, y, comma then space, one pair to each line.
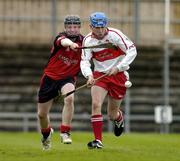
45, 134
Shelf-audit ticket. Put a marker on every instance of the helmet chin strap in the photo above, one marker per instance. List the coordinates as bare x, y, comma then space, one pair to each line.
72, 36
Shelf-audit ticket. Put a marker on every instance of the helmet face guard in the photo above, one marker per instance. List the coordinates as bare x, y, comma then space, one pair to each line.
98, 19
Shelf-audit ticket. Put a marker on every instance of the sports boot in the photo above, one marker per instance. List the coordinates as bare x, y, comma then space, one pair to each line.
96, 144
66, 138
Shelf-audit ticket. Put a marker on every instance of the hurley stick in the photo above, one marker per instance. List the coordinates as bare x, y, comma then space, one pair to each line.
85, 85
105, 45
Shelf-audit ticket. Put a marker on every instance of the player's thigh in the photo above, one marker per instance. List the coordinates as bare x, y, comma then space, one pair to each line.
68, 87
43, 108
98, 94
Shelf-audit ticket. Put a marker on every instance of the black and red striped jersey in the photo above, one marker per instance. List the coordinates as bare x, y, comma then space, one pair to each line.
63, 61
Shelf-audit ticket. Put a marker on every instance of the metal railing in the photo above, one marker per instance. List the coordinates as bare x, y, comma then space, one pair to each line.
28, 121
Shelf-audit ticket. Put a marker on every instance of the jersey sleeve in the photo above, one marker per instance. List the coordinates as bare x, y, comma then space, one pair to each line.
128, 47
58, 40
86, 56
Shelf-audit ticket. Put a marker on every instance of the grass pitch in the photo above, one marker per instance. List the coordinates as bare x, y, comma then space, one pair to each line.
128, 147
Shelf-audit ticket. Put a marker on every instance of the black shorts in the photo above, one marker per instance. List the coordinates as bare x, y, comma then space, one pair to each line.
49, 88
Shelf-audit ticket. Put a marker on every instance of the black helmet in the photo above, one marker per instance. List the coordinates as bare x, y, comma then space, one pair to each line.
72, 19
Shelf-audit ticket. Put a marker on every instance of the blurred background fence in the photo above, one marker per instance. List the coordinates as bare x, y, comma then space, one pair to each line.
27, 28
37, 21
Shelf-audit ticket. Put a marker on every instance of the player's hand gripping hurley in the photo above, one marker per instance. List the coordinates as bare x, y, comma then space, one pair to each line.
127, 84
78, 88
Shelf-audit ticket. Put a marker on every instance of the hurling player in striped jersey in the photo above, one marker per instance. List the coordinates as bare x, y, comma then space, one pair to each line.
60, 75
113, 62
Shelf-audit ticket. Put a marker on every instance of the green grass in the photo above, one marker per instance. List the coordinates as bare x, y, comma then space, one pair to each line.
128, 147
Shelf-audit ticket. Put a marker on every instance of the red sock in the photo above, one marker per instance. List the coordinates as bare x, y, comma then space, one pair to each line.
97, 123
120, 116
64, 128
46, 131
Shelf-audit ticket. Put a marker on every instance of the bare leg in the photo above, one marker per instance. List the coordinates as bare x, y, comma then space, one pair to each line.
43, 116
115, 114
68, 109
113, 108
67, 114
43, 113
98, 95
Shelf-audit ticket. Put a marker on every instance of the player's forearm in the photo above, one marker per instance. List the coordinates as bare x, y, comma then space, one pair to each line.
127, 60
85, 64
86, 68
66, 42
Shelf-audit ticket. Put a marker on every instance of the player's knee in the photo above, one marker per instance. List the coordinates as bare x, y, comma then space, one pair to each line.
42, 115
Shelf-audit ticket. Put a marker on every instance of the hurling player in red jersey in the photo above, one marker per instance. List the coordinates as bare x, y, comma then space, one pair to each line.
60, 75
115, 64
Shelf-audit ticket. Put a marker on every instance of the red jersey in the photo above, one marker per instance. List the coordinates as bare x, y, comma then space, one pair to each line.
64, 62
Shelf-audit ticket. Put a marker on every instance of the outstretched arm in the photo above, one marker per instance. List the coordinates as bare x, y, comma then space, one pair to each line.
68, 43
